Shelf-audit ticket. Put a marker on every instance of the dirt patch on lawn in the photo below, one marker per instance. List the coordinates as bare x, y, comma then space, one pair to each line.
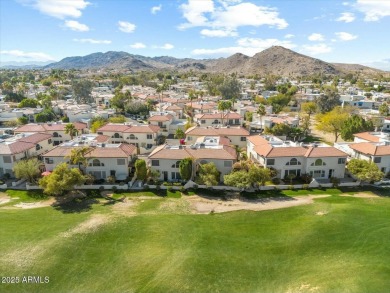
4, 198
124, 207
202, 205
361, 195
38, 204
94, 223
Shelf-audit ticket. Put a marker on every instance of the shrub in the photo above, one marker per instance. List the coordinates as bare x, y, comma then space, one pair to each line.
305, 186
195, 186
182, 189
177, 184
111, 179
170, 189
114, 188
146, 187
121, 183
276, 181
158, 187
291, 187
101, 188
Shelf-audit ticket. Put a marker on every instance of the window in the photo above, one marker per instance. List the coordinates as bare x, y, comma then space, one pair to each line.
49, 141
96, 163
55, 134
270, 162
341, 161
149, 146
160, 124
237, 121
317, 173
377, 159
175, 175
7, 159
155, 163
176, 165
227, 164
132, 136
149, 136
116, 135
120, 161
216, 121
293, 162
202, 121
203, 162
49, 161
243, 138
297, 173
37, 147
100, 133
318, 162
189, 138
383, 170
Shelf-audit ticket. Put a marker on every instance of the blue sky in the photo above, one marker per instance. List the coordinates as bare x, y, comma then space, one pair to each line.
354, 31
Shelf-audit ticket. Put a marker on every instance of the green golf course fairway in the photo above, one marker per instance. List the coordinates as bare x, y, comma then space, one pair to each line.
336, 244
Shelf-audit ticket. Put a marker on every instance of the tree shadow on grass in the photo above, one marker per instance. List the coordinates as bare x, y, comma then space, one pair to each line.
265, 196
76, 205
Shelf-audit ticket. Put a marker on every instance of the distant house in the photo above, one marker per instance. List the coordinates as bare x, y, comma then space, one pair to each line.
57, 130
236, 135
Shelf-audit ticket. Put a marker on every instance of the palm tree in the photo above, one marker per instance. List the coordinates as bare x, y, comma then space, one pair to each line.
78, 157
261, 112
71, 130
222, 106
179, 134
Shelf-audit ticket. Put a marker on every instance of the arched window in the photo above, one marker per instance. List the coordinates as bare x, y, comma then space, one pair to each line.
96, 163
55, 134
203, 162
132, 136
318, 162
37, 147
176, 165
116, 135
293, 162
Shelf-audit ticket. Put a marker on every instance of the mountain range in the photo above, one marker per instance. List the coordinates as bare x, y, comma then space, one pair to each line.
276, 60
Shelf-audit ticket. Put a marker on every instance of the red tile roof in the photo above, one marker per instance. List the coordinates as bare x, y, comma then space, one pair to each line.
224, 153
371, 148
223, 131
367, 136
161, 118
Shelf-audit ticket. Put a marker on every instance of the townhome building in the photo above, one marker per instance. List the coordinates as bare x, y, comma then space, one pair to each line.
162, 120
166, 158
318, 160
56, 129
22, 146
370, 146
145, 137
236, 135
103, 159
214, 119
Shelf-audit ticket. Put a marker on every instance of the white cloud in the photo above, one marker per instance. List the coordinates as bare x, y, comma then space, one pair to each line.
74, 25
194, 12
289, 36
317, 49
316, 37
218, 33
138, 46
343, 36
155, 9
126, 27
167, 46
230, 16
36, 56
59, 9
92, 41
247, 46
346, 17
374, 10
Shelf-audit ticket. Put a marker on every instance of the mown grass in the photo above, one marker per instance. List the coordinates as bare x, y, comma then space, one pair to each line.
336, 244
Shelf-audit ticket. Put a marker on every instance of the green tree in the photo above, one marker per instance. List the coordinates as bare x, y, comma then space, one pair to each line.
332, 122
261, 112
240, 179
28, 103
280, 129
179, 134
27, 169
278, 102
249, 116
230, 89
45, 116
117, 119
208, 174
61, 180
309, 108
120, 100
153, 175
140, 169
97, 122
223, 106
328, 100
364, 170
355, 124
384, 109
71, 130
23, 120
82, 89
185, 168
